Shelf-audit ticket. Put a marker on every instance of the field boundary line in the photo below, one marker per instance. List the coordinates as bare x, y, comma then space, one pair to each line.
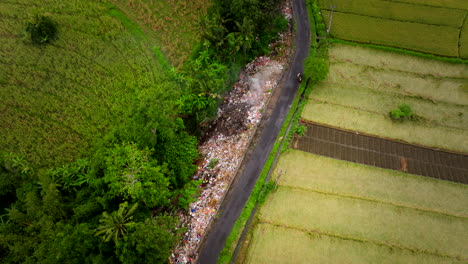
421, 209
384, 18
423, 123
460, 34
362, 240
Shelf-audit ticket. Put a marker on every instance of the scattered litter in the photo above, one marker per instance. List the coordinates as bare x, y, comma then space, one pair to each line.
229, 137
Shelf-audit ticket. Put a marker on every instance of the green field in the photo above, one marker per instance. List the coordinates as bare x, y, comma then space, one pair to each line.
175, 24
359, 93
58, 99
399, 11
328, 211
425, 27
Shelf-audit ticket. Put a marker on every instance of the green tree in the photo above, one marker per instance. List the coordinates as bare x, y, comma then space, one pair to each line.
114, 226
149, 242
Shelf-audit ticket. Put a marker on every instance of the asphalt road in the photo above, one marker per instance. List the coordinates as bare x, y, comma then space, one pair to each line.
240, 190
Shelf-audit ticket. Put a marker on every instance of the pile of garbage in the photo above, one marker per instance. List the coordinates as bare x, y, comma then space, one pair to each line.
224, 147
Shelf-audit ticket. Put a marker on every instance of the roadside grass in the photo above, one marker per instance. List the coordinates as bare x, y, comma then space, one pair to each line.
399, 11
427, 38
363, 220
175, 22
359, 93
322, 174
59, 99
277, 244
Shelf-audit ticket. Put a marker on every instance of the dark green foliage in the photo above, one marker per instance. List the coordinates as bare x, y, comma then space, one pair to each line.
403, 112
42, 30
148, 241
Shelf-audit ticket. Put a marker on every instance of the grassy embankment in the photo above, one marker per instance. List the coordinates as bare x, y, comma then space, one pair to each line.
365, 84
423, 27
365, 213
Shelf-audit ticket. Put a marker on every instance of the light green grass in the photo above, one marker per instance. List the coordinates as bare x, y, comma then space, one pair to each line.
275, 244
397, 61
60, 98
429, 88
457, 4
368, 221
383, 101
383, 126
364, 85
433, 39
305, 170
399, 11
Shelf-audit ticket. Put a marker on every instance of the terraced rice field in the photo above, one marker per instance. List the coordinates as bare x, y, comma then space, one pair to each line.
330, 211
425, 26
365, 84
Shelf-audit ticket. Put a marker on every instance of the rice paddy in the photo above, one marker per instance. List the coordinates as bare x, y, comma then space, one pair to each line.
358, 94
331, 211
424, 26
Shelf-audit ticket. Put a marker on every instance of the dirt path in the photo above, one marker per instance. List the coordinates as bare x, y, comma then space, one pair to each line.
240, 190
383, 153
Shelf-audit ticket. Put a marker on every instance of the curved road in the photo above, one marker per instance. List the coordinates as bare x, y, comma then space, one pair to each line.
240, 191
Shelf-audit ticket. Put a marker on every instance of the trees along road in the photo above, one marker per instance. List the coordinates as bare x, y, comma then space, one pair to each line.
241, 188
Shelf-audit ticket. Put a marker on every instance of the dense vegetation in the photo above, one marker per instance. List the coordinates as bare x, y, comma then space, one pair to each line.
98, 130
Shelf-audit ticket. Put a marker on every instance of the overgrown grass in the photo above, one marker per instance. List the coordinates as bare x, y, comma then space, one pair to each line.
399, 11
432, 39
59, 99
277, 244
176, 23
397, 227
322, 174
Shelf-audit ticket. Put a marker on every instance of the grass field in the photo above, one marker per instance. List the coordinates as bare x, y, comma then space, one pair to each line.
399, 11
427, 38
330, 211
59, 98
176, 23
359, 93
429, 27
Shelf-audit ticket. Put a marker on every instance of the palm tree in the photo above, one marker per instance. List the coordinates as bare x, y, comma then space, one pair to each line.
114, 226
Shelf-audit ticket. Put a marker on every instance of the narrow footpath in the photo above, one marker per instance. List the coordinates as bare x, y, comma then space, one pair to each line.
239, 193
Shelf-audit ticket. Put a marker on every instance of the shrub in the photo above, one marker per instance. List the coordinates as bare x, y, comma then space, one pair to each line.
316, 68
401, 113
42, 30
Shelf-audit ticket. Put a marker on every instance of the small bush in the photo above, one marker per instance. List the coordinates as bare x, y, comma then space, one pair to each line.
403, 112
42, 30
316, 68
300, 130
